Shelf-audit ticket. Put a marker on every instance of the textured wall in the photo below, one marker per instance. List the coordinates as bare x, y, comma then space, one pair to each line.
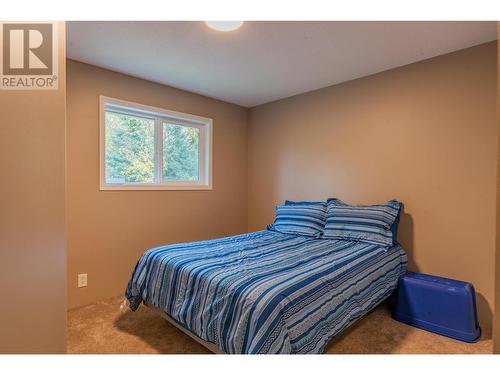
424, 133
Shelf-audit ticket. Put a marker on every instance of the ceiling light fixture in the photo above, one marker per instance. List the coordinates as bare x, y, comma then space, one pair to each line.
224, 25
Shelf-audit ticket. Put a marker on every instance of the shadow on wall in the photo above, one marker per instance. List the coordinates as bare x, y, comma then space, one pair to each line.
485, 314
406, 238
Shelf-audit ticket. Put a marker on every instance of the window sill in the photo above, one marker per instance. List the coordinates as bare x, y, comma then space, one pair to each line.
153, 187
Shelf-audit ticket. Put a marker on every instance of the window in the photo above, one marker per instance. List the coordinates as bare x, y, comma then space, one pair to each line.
147, 148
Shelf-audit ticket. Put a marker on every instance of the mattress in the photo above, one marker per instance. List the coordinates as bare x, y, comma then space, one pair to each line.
266, 292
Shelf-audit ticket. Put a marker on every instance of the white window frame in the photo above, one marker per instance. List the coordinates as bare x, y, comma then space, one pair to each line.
159, 115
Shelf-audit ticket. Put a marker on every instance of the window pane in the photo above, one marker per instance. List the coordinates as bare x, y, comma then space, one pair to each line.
130, 148
180, 152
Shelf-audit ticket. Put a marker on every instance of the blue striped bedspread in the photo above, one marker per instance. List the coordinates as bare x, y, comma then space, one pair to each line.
266, 292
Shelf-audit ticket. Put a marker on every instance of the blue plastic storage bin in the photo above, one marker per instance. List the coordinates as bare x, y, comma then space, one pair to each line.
437, 304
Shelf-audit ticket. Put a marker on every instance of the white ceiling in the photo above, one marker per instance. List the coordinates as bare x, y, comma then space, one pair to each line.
265, 61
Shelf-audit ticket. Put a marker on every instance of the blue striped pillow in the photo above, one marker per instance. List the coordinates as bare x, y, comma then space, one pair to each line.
300, 219
305, 203
374, 224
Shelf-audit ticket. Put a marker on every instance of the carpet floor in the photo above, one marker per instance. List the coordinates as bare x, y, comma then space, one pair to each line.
101, 328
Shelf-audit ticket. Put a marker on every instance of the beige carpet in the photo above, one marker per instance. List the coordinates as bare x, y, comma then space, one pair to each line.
102, 328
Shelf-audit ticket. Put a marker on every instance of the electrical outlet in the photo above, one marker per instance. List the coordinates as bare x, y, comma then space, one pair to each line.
82, 280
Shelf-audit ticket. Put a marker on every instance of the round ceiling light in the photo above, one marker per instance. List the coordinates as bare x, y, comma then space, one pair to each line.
224, 25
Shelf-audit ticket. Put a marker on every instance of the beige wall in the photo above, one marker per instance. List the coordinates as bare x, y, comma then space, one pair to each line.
32, 220
424, 134
109, 230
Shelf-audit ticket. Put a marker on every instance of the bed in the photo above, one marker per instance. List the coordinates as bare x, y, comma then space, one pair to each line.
265, 292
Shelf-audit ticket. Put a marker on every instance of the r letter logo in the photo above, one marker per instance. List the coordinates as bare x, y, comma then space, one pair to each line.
29, 56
